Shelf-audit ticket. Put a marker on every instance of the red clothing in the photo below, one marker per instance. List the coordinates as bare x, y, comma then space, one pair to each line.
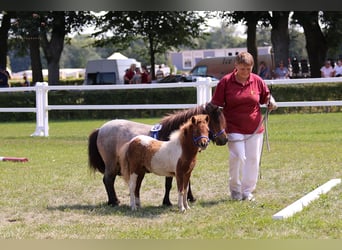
241, 103
129, 74
144, 77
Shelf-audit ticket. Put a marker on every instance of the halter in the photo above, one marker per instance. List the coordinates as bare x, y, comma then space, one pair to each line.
196, 139
217, 134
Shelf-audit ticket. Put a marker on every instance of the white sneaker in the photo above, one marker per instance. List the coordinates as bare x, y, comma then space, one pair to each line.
248, 197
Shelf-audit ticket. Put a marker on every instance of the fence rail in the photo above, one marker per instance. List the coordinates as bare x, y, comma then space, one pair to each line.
203, 88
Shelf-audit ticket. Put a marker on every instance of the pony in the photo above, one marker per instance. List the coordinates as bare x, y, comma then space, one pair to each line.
176, 157
105, 142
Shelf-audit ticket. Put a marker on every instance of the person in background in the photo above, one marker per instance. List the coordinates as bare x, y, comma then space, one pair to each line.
137, 76
159, 73
4, 76
26, 82
129, 74
264, 71
145, 75
281, 72
338, 68
240, 94
327, 70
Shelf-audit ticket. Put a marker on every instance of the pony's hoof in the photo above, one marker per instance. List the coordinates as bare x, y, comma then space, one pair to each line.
167, 203
192, 199
113, 204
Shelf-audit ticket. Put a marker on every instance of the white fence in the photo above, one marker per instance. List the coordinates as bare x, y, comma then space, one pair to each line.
203, 88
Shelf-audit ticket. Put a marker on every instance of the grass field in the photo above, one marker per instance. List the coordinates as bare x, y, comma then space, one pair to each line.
55, 196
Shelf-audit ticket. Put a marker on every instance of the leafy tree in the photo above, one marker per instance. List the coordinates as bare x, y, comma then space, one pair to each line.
57, 24
4, 28
280, 35
221, 37
26, 30
316, 43
48, 30
160, 30
250, 19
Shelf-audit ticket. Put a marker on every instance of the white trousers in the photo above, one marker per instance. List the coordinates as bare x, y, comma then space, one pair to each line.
244, 158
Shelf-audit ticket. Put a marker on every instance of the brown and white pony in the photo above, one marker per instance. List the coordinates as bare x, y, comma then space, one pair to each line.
176, 157
105, 142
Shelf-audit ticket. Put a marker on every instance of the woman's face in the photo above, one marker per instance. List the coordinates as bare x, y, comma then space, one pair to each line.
243, 70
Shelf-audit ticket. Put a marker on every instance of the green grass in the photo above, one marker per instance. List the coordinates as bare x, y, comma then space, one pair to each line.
55, 196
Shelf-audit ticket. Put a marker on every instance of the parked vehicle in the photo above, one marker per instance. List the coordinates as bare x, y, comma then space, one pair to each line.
220, 66
107, 71
183, 78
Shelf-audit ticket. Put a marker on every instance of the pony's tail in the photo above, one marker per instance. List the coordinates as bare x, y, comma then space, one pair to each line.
95, 160
124, 164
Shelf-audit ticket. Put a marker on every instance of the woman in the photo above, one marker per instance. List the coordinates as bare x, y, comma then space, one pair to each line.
240, 93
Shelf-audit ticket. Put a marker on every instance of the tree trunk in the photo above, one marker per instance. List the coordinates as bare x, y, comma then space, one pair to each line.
280, 36
316, 43
251, 42
54, 48
36, 64
152, 56
5, 26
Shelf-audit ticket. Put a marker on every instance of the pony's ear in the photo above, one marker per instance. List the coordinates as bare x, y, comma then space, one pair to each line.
207, 118
193, 120
209, 107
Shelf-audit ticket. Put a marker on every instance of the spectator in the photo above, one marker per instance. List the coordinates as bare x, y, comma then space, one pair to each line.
145, 75
327, 70
129, 74
137, 76
281, 72
240, 93
26, 82
338, 68
159, 73
264, 71
4, 76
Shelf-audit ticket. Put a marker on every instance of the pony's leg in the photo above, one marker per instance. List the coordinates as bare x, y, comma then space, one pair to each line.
190, 198
181, 201
108, 181
186, 184
137, 189
181, 194
168, 186
132, 187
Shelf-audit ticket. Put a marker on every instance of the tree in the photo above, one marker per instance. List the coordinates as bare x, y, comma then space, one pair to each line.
280, 35
26, 29
316, 43
160, 30
48, 29
4, 28
250, 19
57, 24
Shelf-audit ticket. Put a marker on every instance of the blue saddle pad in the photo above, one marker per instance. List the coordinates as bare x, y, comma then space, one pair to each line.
155, 129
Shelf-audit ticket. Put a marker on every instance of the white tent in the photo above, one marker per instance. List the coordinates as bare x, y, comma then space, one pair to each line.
117, 55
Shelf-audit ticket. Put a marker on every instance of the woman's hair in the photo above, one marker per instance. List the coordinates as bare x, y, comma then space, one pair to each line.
244, 58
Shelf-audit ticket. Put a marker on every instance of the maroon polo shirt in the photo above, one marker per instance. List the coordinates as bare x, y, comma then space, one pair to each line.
241, 103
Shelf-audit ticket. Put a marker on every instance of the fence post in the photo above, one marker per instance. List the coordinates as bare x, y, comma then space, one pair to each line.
42, 115
203, 90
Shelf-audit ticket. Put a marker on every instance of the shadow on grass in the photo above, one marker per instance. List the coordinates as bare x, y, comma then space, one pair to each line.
210, 203
124, 210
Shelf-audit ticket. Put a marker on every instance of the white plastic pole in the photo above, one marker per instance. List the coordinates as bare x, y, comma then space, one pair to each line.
42, 123
298, 205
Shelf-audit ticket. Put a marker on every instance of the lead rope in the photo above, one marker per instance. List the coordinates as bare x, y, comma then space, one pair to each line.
265, 138
266, 134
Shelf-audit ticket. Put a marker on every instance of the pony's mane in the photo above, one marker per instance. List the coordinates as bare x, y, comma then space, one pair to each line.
177, 134
174, 120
